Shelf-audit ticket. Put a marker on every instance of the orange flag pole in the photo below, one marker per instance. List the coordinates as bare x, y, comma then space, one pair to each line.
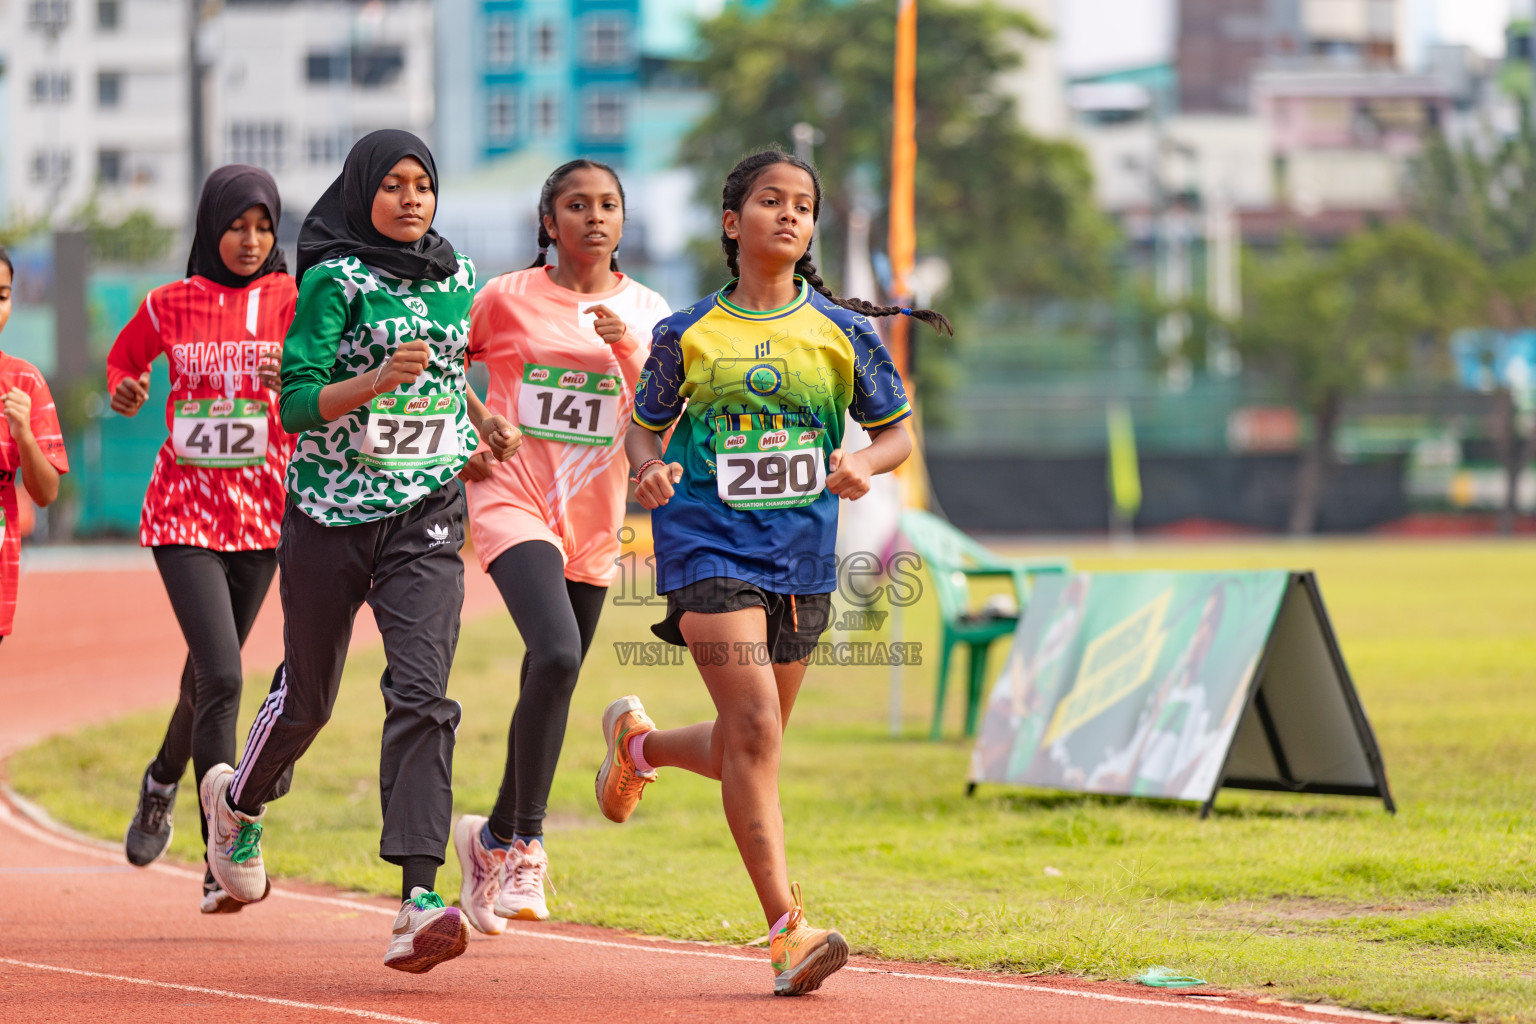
903, 236
902, 240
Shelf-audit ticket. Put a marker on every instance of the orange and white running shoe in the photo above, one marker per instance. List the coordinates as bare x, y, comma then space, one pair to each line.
619, 782
804, 957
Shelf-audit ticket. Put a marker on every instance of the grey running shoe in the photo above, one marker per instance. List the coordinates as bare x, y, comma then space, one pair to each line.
426, 933
234, 840
149, 833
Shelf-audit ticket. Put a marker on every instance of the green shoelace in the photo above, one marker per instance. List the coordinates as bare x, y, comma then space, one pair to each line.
247, 843
428, 900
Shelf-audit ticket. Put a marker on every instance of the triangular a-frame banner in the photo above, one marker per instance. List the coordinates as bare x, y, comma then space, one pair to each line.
1174, 684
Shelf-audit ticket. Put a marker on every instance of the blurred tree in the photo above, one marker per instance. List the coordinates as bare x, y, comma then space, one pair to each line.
1331, 326
135, 240
1012, 214
1482, 193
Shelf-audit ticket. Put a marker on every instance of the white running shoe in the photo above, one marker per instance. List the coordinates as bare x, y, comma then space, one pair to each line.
522, 888
234, 840
482, 868
426, 933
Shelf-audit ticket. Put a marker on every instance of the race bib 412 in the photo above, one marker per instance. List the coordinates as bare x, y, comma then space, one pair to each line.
220, 433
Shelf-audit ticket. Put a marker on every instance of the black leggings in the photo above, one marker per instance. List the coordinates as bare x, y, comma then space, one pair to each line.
216, 595
557, 618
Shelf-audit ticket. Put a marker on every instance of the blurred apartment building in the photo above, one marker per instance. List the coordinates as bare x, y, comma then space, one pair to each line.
95, 96
290, 84
1296, 114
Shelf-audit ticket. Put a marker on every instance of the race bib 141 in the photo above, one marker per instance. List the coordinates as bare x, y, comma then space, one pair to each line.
220, 433
784, 467
575, 406
410, 432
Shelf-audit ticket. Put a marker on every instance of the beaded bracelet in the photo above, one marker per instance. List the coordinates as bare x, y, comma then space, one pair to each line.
647, 464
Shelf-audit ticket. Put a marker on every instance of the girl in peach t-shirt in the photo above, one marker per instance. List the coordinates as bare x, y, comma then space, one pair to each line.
565, 346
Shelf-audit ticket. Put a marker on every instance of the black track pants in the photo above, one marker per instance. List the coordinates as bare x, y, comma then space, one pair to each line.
215, 595
408, 569
557, 618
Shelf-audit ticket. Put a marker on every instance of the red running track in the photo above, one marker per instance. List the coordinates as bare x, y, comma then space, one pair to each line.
85, 937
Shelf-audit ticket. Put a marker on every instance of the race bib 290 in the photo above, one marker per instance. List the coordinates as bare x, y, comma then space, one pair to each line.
784, 467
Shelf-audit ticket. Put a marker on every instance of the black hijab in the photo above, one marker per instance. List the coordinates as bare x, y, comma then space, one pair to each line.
341, 223
229, 192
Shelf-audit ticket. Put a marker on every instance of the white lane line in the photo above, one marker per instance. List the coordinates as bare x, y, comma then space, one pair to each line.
270, 1000
45, 836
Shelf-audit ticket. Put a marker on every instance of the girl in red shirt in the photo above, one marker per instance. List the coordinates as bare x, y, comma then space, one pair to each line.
216, 496
31, 450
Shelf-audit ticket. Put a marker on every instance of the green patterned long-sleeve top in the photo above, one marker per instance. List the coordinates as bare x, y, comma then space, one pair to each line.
384, 456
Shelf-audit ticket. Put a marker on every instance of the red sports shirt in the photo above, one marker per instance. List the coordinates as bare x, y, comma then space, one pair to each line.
18, 373
214, 338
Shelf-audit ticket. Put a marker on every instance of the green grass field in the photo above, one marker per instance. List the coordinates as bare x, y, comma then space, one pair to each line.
1431, 912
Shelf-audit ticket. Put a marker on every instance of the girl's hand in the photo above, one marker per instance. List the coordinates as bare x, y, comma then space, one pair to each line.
269, 371
130, 395
403, 366
608, 326
850, 475
655, 487
477, 468
18, 414
501, 437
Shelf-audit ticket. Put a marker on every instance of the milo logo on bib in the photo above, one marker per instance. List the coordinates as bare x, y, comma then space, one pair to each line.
782, 467
574, 406
222, 407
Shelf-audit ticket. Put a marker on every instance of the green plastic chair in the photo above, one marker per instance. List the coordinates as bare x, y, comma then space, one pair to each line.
953, 559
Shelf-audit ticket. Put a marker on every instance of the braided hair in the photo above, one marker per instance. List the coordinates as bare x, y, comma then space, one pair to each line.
551, 191
738, 185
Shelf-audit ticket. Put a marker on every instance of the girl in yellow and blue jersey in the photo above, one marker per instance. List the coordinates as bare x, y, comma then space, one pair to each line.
744, 517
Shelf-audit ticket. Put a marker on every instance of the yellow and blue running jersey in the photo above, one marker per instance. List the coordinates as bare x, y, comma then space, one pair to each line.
773, 386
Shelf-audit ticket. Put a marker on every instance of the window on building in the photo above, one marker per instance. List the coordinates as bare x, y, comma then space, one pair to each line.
500, 42
50, 87
544, 41
325, 147
323, 66
501, 116
603, 116
50, 16
111, 167
109, 88
605, 41
108, 14
374, 66
261, 143
367, 66
51, 166
546, 115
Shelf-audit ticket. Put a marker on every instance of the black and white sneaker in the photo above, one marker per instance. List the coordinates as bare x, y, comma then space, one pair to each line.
149, 833
215, 899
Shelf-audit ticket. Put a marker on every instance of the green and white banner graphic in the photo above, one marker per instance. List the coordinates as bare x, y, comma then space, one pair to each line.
1172, 684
